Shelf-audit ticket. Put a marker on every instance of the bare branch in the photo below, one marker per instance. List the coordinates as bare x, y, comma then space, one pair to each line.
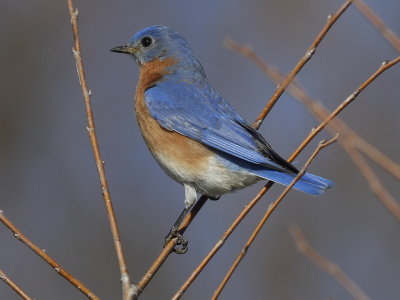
324, 264
266, 216
307, 56
14, 286
60, 270
385, 31
128, 289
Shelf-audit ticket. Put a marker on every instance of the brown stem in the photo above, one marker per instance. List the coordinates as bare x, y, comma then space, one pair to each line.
128, 289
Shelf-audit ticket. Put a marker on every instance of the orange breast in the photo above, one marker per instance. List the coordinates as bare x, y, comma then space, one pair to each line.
175, 152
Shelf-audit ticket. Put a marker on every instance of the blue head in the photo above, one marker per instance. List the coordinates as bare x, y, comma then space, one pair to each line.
161, 42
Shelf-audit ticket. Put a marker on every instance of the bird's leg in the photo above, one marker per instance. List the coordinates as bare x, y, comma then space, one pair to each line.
190, 198
174, 233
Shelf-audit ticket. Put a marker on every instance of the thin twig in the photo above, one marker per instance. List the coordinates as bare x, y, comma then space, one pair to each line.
14, 286
60, 270
324, 264
350, 139
384, 30
266, 216
307, 56
128, 289
300, 148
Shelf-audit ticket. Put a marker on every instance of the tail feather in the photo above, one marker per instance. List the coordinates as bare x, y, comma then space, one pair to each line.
308, 183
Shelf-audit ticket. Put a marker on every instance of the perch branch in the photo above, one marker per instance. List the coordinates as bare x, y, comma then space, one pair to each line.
385, 66
324, 264
128, 290
14, 286
170, 246
60, 270
266, 216
307, 56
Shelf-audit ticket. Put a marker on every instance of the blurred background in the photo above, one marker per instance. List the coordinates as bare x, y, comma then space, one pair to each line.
49, 184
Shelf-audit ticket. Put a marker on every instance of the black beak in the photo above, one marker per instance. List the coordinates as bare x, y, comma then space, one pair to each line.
126, 49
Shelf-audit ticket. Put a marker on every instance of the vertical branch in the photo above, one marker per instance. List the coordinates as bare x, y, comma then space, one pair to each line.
324, 264
307, 56
60, 270
14, 286
128, 289
266, 216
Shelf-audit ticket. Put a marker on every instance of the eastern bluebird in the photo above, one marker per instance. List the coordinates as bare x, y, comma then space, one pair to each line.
193, 133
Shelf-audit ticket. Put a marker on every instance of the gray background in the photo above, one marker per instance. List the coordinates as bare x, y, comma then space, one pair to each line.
49, 185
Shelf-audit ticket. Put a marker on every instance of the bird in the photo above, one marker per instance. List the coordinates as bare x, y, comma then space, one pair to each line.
193, 133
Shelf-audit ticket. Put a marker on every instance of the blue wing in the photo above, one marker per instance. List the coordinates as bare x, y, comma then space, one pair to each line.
203, 115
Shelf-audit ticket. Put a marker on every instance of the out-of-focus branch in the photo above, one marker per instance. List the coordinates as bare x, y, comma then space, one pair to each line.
373, 180
266, 216
384, 30
60, 270
128, 290
385, 66
307, 56
14, 286
324, 264
350, 140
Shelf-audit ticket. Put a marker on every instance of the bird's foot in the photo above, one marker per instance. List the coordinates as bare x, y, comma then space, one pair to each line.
181, 245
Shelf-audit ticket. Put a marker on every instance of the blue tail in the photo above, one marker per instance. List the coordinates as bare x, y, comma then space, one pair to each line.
308, 183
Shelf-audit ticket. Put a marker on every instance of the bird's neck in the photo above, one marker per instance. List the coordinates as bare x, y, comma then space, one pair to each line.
172, 69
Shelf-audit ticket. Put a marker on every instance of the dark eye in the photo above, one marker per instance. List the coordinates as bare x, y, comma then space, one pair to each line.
146, 41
